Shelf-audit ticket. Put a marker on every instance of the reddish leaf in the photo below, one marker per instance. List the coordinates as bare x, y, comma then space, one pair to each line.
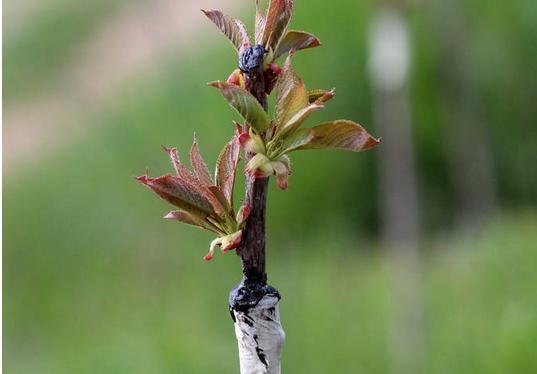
259, 24
179, 193
233, 29
190, 178
340, 134
296, 40
199, 166
185, 217
242, 215
226, 167
291, 95
278, 17
181, 170
221, 198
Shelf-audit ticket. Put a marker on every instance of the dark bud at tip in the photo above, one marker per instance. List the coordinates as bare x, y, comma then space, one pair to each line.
251, 59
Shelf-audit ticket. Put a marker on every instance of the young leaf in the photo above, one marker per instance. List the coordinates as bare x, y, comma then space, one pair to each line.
191, 179
243, 214
244, 103
340, 134
260, 21
294, 122
185, 217
282, 173
281, 25
275, 9
226, 167
180, 193
181, 170
298, 139
233, 29
296, 40
199, 166
279, 15
320, 95
291, 95
259, 163
218, 194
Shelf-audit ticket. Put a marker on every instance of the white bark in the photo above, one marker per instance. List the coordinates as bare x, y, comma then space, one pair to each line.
260, 337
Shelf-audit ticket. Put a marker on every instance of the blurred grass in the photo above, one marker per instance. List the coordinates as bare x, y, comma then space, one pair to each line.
95, 282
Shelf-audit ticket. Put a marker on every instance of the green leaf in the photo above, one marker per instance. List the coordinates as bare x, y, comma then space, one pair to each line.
320, 95
245, 103
294, 122
291, 96
185, 217
296, 40
297, 140
232, 28
199, 166
226, 167
340, 134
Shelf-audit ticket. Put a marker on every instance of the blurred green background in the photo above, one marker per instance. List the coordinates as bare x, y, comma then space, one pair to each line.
96, 282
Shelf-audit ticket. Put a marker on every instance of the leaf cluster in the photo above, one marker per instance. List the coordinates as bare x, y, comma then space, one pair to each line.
208, 203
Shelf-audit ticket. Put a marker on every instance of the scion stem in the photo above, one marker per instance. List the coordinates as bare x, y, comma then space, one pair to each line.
252, 247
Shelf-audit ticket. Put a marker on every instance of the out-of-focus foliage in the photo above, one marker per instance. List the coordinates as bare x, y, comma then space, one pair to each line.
94, 285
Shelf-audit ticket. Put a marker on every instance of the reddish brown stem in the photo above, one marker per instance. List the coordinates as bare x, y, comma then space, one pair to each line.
252, 247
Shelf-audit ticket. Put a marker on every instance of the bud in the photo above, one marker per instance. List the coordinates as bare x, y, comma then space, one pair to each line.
243, 214
230, 242
271, 75
216, 242
259, 166
236, 78
282, 173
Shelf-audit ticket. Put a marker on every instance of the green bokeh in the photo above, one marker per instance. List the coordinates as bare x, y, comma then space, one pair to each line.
96, 282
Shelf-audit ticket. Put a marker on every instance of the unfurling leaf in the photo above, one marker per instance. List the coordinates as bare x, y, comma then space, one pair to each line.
233, 29
291, 95
199, 166
180, 193
298, 139
243, 214
259, 24
192, 179
226, 243
259, 166
275, 10
340, 134
226, 167
282, 171
185, 217
296, 40
279, 15
181, 170
294, 122
251, 142
321, 96
236, 78
244, 103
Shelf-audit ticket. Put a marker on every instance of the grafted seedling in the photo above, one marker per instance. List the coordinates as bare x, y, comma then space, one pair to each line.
267, 143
